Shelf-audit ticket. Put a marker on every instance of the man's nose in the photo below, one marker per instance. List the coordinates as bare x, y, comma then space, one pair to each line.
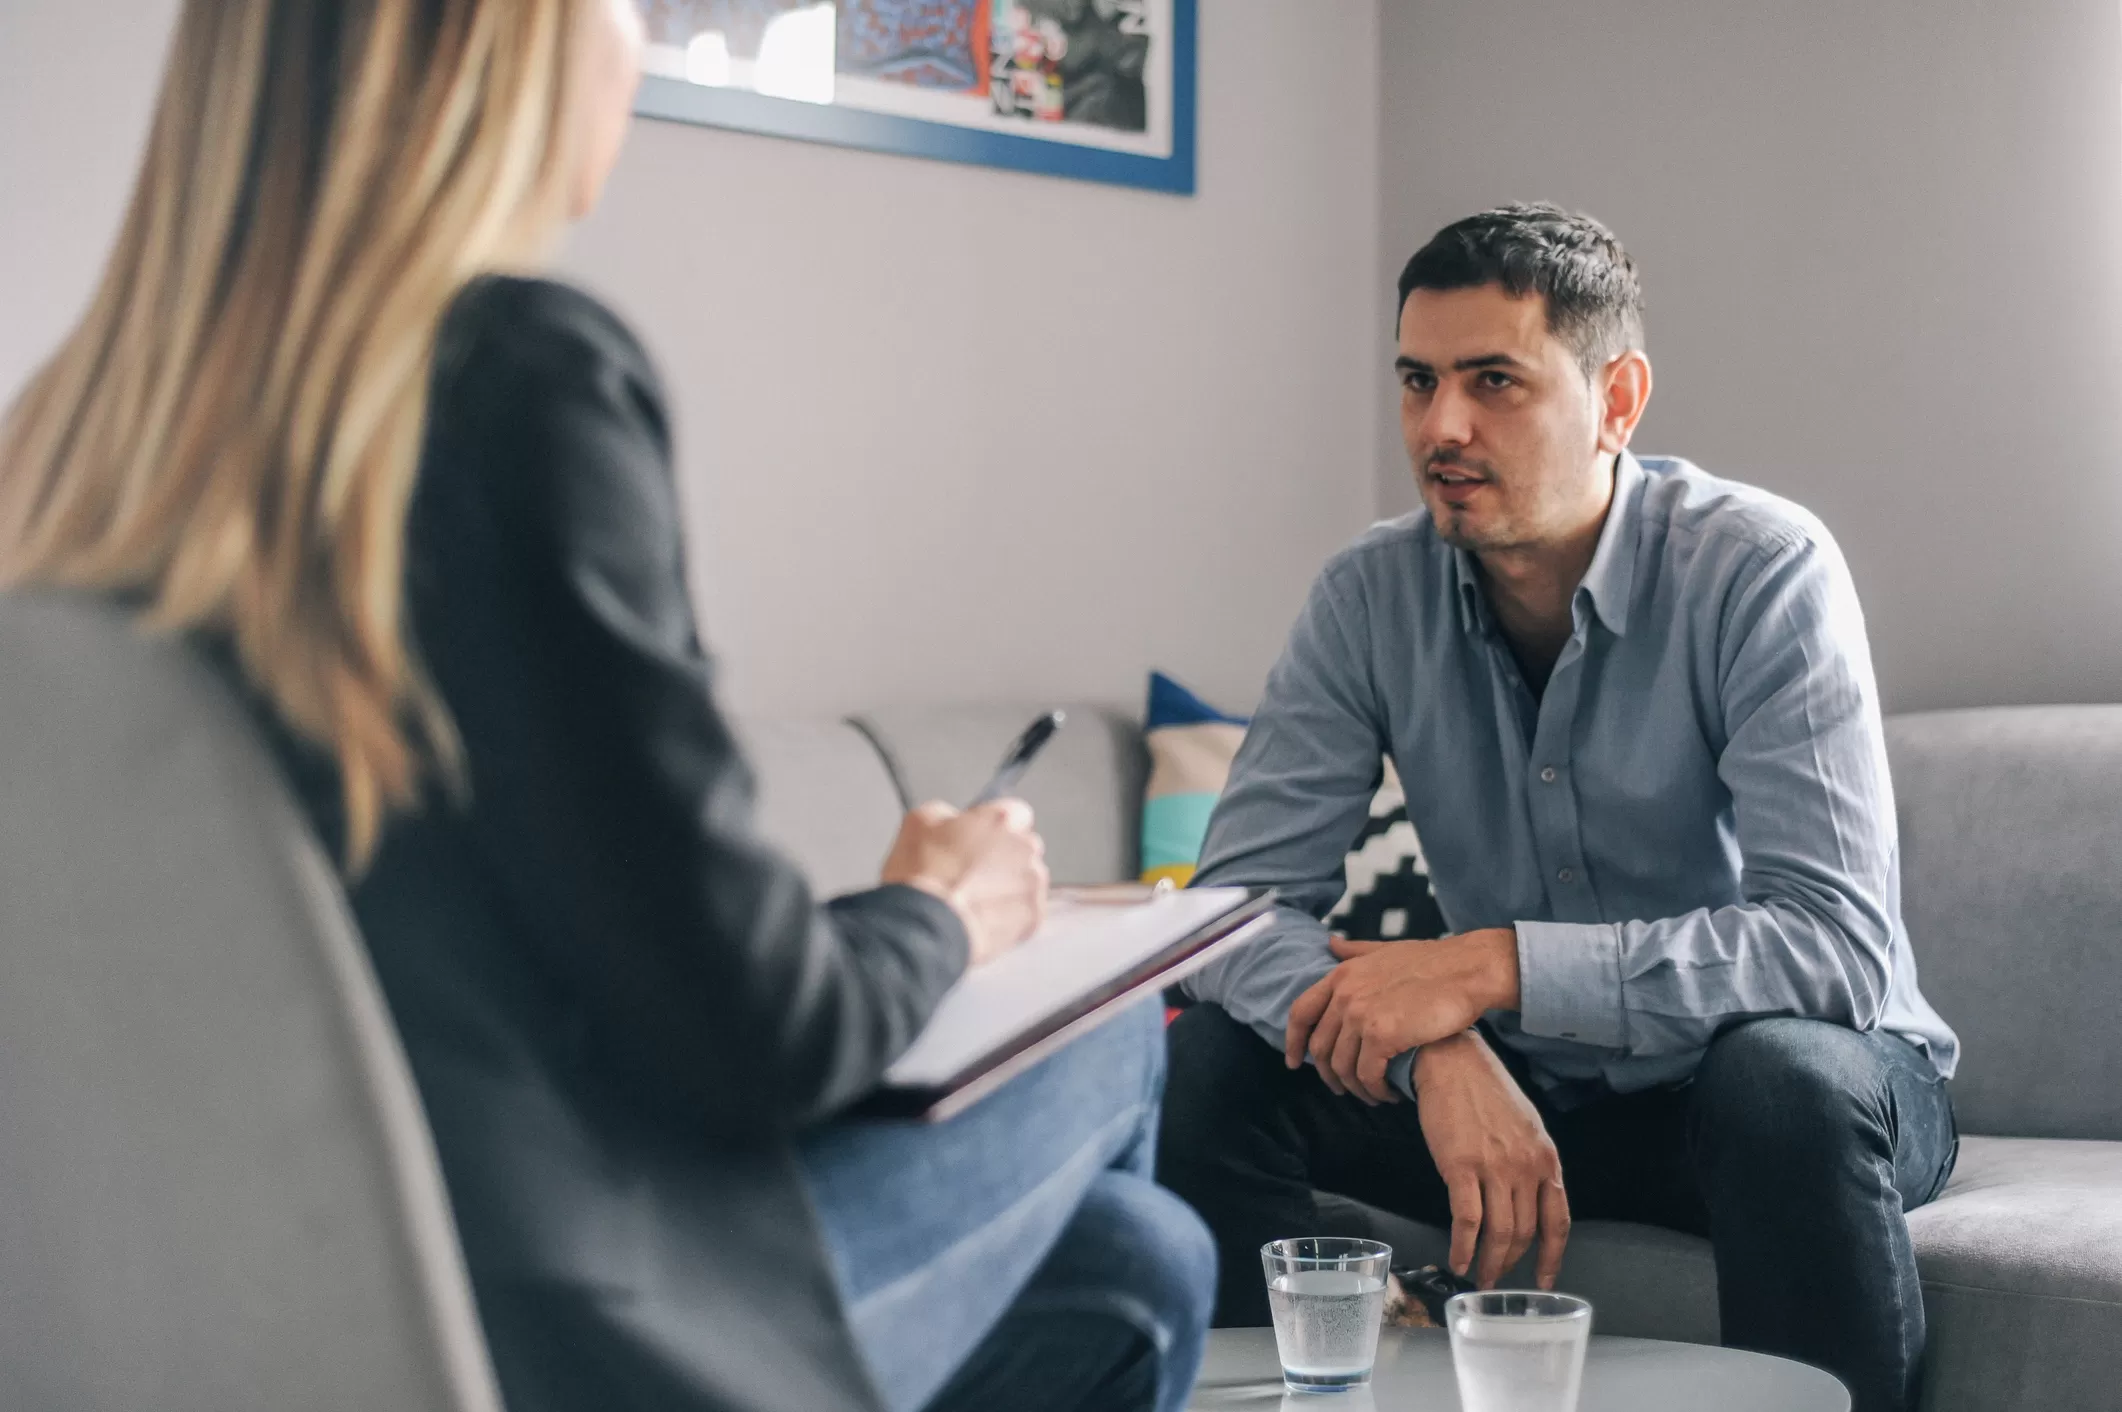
1449, 420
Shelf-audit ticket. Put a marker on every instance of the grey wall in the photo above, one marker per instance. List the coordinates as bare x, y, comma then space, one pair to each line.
946, 433
76, 84
954, 433
1880, 246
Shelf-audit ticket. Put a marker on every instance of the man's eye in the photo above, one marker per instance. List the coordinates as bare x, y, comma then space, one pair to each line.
1493, 380
1418, 382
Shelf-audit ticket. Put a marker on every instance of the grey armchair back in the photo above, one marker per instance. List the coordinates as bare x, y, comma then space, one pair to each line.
217, 1189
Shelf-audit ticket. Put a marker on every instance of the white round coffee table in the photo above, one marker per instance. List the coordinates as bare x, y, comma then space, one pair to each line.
1414, 1374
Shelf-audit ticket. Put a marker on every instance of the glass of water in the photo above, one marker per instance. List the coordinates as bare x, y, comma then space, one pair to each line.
1517, 1351
1328, 1296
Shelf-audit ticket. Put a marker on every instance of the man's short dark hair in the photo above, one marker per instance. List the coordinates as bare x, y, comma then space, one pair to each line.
1594, 304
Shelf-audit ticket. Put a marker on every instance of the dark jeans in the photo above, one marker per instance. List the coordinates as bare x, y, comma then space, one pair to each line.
1796, 1149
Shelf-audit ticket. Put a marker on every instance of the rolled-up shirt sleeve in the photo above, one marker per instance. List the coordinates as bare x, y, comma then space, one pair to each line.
1804, 759
1299, 791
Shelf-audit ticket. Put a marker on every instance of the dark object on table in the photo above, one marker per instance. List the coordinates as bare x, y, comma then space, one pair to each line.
1429, 1288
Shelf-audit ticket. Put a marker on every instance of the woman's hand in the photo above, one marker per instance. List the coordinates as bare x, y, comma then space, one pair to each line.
988, 863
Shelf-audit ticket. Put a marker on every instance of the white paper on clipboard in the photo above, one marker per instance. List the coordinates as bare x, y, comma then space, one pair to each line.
1081, 951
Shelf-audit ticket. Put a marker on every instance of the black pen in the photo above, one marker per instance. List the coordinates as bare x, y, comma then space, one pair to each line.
1020, 757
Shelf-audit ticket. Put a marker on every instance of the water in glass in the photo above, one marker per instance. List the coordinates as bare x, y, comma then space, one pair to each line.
1518, 1351
1326, 1326
1518, 1370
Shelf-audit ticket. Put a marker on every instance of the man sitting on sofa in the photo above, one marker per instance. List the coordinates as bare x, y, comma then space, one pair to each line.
1634, 710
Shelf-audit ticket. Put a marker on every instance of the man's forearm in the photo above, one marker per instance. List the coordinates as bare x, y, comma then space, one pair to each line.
1257, 984
1668, 986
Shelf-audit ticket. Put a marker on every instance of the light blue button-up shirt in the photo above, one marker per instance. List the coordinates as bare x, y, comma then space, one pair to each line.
1692, 825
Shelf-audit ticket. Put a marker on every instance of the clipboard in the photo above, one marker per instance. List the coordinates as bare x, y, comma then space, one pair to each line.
1088, 963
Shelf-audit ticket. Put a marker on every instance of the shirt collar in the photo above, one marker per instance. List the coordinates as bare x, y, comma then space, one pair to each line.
1608, 583
1611, 580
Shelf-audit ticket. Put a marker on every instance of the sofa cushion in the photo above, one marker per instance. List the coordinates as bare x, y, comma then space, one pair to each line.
2028, 1216
2011, 822
2021, 1260
2022, 1277
1086, 786
825, 799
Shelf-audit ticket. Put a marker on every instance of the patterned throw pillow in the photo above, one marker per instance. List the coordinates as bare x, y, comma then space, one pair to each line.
1389, 896
1191, 745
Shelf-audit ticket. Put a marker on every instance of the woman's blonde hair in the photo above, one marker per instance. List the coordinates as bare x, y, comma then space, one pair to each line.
230, 435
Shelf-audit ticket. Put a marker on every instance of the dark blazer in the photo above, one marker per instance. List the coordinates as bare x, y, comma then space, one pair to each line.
620, 1005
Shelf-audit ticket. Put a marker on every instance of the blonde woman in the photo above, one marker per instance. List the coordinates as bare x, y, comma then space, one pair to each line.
419, 505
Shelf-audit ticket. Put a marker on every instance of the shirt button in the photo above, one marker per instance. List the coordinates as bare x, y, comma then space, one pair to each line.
1567, 875
1547, 776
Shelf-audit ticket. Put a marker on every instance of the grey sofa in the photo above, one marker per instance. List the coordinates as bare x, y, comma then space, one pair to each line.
2011, 826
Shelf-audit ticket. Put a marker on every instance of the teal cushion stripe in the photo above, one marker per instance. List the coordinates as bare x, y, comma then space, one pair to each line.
1174, 826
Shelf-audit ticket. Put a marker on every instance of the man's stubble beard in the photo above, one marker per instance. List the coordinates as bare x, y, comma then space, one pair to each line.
1450, 521
1452, 528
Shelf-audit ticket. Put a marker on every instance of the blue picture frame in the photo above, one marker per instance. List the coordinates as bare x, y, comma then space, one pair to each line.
745, 111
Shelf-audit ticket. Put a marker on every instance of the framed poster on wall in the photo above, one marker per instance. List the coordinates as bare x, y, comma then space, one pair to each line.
1101, 90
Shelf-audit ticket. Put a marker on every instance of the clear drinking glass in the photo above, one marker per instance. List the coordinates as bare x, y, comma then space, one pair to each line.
1328, 1296
1518, 1351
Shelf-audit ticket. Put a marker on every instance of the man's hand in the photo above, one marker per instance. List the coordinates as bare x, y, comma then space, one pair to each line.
1495, 1157
1387, 997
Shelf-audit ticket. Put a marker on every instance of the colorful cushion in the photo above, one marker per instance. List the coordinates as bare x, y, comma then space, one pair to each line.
1191, 746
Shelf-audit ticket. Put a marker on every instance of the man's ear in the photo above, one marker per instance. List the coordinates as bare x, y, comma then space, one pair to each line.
1625, 383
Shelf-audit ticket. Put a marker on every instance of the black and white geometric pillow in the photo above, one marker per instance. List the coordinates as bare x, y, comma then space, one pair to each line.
1389, 897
